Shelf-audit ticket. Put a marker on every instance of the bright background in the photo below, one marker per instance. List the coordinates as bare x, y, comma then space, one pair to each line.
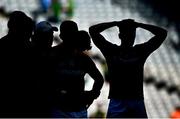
162, 69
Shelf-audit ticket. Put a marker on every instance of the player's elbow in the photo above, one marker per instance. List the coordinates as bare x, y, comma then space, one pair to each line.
101, 80
92, 31
163, 33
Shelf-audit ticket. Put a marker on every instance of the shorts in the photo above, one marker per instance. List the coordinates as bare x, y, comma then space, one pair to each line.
134, 108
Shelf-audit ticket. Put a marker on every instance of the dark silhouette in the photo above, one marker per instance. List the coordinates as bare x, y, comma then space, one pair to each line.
42, 67
43, 36
83, 42
71, 65
125, 65
15, 82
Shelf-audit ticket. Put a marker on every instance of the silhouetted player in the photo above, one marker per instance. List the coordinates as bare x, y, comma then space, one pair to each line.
125, 65
42, 68
15, 81
71, 66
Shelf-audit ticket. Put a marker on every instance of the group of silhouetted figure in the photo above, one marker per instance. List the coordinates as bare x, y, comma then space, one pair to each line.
41, 80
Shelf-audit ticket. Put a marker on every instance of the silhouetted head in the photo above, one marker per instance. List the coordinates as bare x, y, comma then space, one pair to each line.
43, 34
68, 31
127, 33
20, 24
83, 41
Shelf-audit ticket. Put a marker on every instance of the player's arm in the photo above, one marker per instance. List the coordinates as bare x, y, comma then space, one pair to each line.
158, 38
97, 77
95, 32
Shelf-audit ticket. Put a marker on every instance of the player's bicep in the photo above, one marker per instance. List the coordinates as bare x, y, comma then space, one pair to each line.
148, 47
100, 41
93, 71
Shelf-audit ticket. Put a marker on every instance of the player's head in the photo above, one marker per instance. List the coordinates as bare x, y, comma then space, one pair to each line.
127, 33
68, 31
83, 41
20, 24
43, 34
